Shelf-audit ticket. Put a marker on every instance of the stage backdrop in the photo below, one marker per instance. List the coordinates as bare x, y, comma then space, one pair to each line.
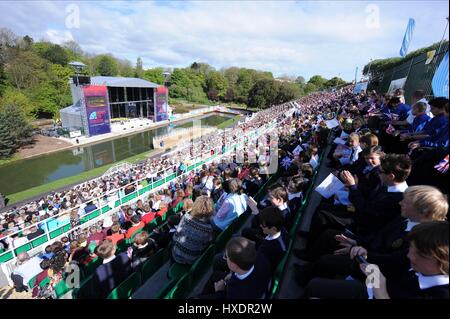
97, 110
161, 104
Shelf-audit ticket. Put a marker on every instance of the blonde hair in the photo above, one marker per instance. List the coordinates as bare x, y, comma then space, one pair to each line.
188, 204
354, 137
428, 200
203, 207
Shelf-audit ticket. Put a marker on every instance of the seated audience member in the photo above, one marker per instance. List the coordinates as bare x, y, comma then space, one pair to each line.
249, 275
148, 217
187, 206
142, 248
116, 234
274, 244
45, 265
399, 108
388, 247
234, 204
136, 225
112, 272
428, 278
34, 233
280, 199
351, 156
295, 193
366, 142
382, 205
436, 130
96, 235
26, 269
163, 236
194, 232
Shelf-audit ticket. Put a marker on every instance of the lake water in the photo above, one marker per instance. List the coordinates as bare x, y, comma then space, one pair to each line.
24, 174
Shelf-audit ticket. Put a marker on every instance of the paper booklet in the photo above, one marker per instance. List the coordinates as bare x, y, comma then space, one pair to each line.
330, 186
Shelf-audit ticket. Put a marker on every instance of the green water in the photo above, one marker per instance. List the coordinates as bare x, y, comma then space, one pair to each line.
24, 174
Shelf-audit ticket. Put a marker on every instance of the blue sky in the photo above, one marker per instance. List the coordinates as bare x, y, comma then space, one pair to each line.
285, 37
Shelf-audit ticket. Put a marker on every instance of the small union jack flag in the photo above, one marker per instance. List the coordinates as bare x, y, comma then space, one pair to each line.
286, 162
442, 166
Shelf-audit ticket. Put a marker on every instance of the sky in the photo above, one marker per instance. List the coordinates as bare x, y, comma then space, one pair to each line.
285, 37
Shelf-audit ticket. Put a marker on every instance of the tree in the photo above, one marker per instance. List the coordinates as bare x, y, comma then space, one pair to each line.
216, 82
125, 68
335, 81
7, 37
244, 84
139, 69
6, 140
25, 70
263, 94
17, 98
229, 95
287, 92
15, 131
318, 81
51, 52
74, 48
300, 80
310, 88
106, 65
154, 75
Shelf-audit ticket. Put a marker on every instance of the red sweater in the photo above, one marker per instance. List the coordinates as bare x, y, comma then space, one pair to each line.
134, 229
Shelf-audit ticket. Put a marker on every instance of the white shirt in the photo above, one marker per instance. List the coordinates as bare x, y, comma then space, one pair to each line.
291, 196
107, 260
398, 188
29, 269
410, 225
426, 282
410, 118
243, 276
272, 237
283, 206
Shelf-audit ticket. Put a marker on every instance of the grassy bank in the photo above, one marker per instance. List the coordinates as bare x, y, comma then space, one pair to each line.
42, 189
228, 122
13, 158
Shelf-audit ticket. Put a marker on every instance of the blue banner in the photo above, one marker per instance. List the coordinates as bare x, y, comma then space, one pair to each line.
407, 37
440, 79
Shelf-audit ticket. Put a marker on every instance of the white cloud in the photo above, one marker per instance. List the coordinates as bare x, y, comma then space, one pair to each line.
302, 38
58, 36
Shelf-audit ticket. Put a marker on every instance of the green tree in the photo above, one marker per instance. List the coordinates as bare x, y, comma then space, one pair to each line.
125, 68
74, 49
300, 80
51, 52
106, 65
216, 82
139, 71
244, 84
263, 94
309, 88
6, 140
17, 98
333, 82
318, 81
287, 92
154, 75
15, 130
25, 70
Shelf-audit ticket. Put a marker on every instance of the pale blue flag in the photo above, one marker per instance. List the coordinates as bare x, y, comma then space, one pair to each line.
440, 78
408, 36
